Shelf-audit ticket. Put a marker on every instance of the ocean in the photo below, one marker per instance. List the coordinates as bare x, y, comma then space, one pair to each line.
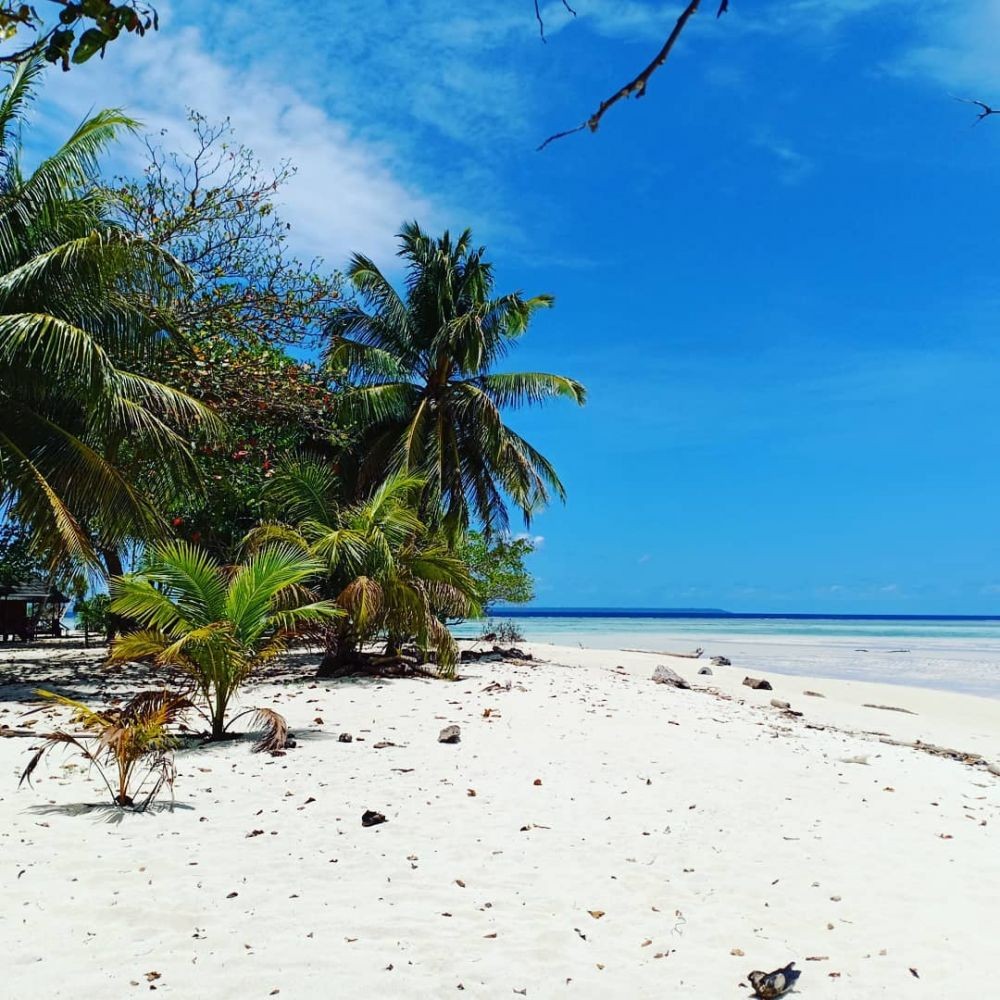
606, 627
956, 653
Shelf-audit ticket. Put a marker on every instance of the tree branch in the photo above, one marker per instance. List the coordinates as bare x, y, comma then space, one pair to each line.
636, 87
541, 23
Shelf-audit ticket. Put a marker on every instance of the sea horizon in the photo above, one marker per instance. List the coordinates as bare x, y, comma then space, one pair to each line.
522, 611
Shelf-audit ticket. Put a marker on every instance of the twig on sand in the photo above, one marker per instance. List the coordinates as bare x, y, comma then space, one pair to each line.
662, 652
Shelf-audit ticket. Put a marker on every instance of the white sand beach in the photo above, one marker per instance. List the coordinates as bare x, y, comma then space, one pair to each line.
592, 835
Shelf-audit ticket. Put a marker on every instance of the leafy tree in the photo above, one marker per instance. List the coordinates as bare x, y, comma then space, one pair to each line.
18, 561
98, 21
217, 624
93, 614
497, 567
273, 407
382, 566
214, 210
82, 316
422, 389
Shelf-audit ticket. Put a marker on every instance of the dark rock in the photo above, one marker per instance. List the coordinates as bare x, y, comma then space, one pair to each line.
450, 734
667, 675
721, 661
757, 683
706, 671
345, 738
371, 818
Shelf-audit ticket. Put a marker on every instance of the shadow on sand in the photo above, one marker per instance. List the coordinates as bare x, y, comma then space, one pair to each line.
105, 812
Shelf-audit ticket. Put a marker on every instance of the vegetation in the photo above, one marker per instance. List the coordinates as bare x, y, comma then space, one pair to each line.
497, 567
382, 566
216, 624
93, 614
158, 401
98, 21
18, 562
421, 385
505, 633
82, 307
133, 744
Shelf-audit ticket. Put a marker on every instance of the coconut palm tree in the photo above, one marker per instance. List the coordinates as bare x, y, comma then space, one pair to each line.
422, 388
82, 314
216, 623
382, 566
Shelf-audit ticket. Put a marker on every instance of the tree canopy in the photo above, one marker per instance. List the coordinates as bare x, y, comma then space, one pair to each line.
421, 385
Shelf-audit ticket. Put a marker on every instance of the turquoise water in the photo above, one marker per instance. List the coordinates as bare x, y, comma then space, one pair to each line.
609, 632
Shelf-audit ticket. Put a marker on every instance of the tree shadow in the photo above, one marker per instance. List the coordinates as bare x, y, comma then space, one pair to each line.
105, 812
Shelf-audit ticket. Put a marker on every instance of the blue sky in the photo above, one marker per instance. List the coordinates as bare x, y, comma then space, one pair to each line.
777, 273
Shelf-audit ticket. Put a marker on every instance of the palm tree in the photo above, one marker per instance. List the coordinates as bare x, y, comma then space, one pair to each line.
383, 567
421, 384
128, 736
82, 313
216, 623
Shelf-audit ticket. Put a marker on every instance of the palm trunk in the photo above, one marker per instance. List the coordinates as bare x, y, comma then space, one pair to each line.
113, 567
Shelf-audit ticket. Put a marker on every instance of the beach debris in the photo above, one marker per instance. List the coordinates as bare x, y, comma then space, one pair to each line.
667, 675
814, 694
696, 655
914, 973
889, 708
721, 661
345, 738
861, 758
757, 683
382, 744
450, 734
778, 703
705, 671
372, 818
768, 985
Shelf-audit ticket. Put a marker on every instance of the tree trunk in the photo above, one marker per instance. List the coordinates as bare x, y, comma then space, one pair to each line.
113, 566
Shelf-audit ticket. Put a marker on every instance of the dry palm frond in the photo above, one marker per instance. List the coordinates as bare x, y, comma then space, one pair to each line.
275, 730
126, 737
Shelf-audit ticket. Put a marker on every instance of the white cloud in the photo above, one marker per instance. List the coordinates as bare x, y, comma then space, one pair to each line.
347, 193
957, 47
793, 165
537, 541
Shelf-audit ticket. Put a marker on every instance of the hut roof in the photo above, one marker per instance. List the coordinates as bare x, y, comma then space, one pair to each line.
33, 589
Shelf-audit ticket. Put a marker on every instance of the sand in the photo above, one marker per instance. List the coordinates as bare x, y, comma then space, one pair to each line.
625, 839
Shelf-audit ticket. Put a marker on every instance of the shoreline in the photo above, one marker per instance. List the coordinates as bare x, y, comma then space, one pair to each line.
962, 665
624, 839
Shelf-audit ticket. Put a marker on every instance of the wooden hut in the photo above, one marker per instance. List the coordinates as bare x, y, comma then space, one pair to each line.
31, 610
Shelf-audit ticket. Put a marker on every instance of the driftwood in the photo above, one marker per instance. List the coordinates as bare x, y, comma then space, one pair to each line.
889, 708
494, 655
662, 652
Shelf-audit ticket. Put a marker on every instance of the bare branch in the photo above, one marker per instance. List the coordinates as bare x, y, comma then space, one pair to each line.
637, 86
985, 113
541, 23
